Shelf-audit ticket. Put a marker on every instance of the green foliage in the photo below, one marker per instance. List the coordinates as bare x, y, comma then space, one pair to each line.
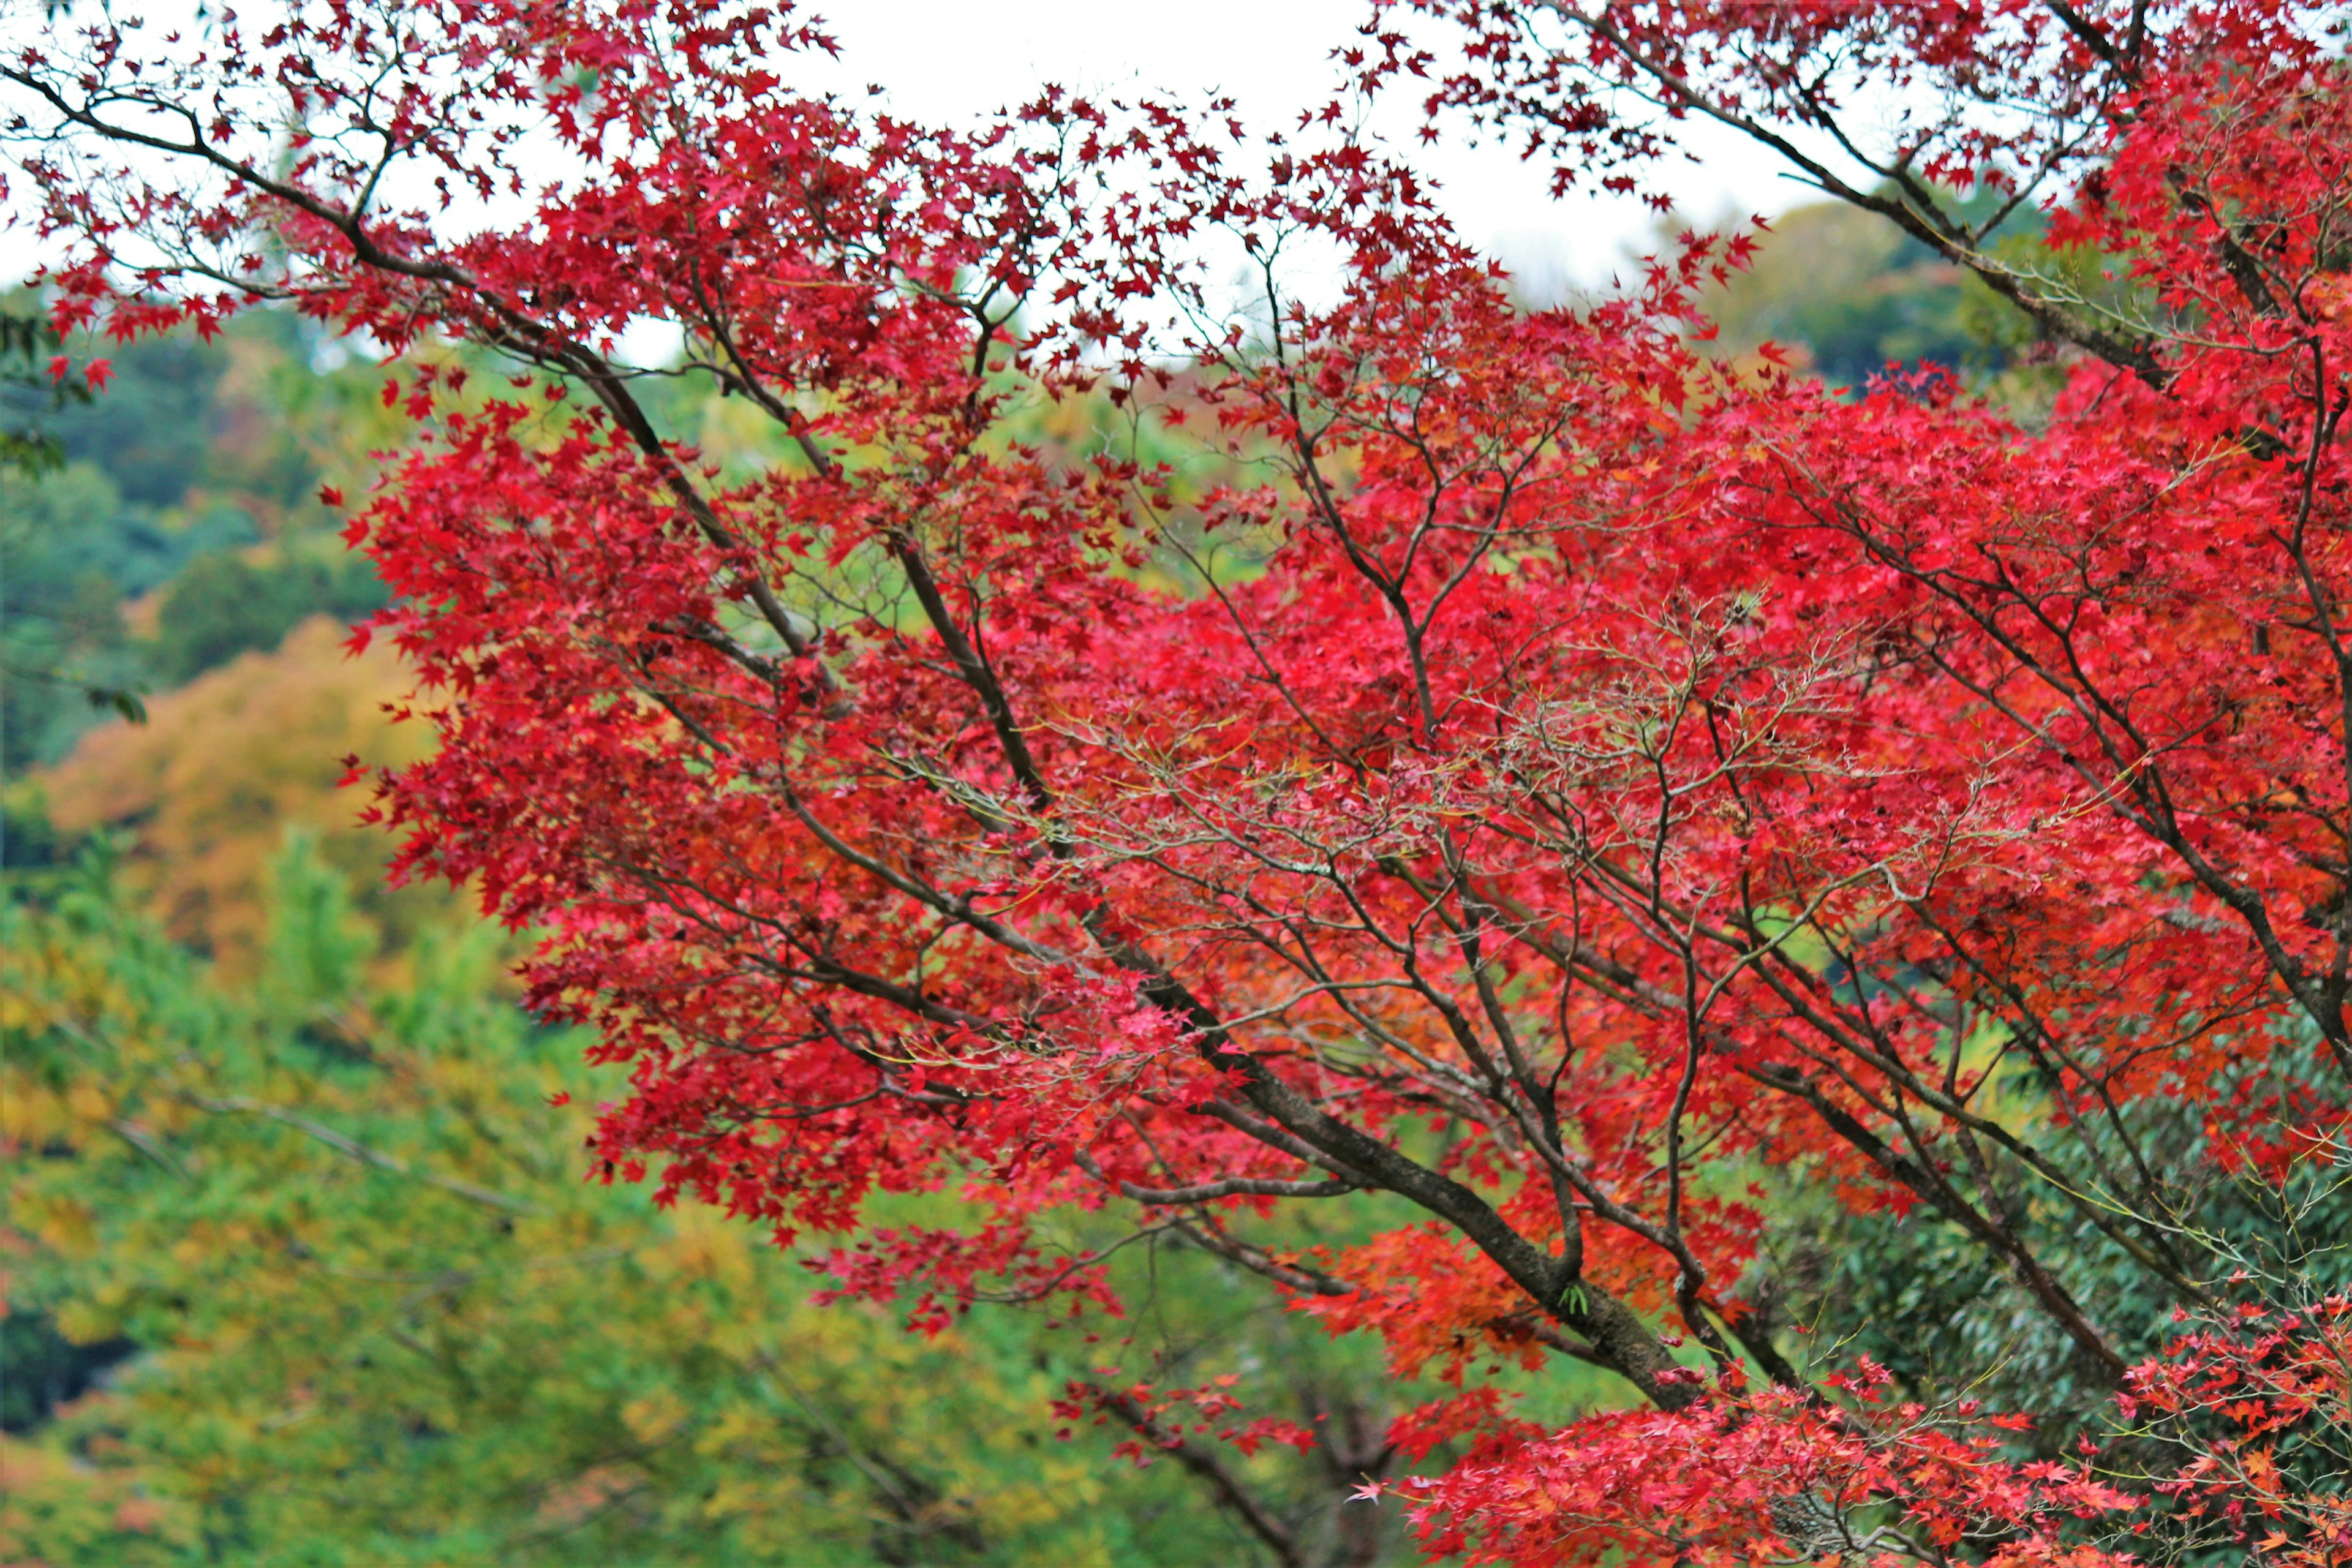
1913, 1292
223, 604
150, 431
387, 1322
28, 450
40, 1369
25, 340
194, 473
1849, 293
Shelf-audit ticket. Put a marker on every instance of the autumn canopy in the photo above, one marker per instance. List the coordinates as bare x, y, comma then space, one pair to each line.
1573, 803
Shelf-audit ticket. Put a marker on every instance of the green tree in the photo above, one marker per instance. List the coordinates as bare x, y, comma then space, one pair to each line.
224, 604
55, 626
386, 1321
1847, 293
191, 478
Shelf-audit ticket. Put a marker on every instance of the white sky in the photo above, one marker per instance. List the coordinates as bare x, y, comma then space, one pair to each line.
950, 60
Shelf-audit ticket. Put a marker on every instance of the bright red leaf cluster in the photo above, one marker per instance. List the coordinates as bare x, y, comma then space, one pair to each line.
1706, 1485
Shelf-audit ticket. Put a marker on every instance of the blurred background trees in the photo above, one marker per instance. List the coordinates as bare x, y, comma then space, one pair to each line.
383, 1319
158, 531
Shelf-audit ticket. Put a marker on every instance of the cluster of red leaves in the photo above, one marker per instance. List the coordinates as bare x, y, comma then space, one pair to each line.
1168, 1419
1769, 1470
2264, 1399
1575, 779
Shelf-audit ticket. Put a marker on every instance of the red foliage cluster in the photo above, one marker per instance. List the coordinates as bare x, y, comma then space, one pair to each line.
1706, 1485
1578, 779
2258, 1396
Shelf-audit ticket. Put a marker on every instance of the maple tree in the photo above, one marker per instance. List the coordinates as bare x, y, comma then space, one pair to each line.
1579, 787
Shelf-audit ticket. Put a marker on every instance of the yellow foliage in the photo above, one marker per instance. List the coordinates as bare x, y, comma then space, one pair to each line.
208, 787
